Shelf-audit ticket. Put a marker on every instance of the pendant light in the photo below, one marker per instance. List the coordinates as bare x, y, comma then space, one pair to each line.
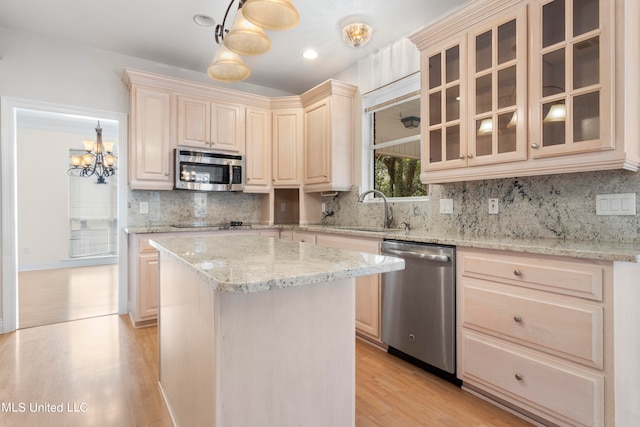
227, 66
245, 38
271, 14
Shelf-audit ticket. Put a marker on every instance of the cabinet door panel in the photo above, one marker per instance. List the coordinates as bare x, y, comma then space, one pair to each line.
258, 150
148, 286
317, 146
150, 166
287, 146
227, 125
194, 122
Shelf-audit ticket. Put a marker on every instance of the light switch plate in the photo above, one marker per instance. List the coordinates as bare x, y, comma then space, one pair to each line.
446, 206
494, 208
616, 204
144, 207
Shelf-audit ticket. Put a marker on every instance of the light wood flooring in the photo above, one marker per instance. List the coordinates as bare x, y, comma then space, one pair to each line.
106, 371
63, 294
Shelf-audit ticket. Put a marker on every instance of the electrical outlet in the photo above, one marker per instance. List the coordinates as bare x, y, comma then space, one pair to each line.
493, 207
283, 207
144, 207
323, 207
446, 206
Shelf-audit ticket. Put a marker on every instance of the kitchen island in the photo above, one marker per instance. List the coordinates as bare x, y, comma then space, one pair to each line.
258, 331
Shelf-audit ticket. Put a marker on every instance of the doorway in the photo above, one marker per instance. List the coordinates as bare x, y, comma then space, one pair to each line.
67, 233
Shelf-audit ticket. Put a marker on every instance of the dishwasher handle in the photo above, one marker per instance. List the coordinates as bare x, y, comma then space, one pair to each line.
420, 255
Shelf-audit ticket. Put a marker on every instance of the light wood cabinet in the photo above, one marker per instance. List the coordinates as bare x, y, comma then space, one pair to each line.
143, 281
258, 150
536, 333
328, 137
287, 147
207, 123
561, 69
151, 139
572, 73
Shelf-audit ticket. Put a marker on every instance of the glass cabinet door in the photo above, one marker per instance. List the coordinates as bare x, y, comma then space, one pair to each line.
497, 62
442, 142
572, 73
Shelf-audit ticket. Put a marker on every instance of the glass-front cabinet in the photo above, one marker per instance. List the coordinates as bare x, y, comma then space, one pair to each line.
497, 59
572, 106
442, 143
476, 97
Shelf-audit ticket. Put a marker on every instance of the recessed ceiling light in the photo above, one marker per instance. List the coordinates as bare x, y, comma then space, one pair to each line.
310, 54
203, 20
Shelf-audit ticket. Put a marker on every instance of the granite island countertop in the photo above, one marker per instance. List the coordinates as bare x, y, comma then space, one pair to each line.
249, 263
597, 250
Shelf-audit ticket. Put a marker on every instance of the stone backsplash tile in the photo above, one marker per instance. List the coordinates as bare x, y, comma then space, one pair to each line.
553, 206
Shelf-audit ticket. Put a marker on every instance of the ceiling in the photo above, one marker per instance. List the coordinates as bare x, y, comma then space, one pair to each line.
163, 31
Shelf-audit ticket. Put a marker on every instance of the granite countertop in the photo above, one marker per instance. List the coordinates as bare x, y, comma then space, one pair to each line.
249, 263
597, 250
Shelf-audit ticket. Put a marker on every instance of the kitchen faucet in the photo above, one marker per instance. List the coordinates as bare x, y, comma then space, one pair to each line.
388, 213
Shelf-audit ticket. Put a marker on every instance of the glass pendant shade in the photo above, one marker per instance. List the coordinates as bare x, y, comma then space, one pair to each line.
514, 121
88, 145
227, 66
245, 38
271, 14
108, 147
486, 127
557, 113
87, 159
76, 161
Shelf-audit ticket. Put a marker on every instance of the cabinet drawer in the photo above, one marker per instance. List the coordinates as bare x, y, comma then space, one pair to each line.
580, 278
145, 246
571, 330
570, 395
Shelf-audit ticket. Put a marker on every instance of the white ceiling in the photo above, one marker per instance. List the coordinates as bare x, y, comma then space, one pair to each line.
163, 31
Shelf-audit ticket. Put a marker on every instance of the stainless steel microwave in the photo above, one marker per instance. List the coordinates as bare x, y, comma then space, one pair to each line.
206, 170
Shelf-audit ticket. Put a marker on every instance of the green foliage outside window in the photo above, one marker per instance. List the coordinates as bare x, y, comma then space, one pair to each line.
398, 177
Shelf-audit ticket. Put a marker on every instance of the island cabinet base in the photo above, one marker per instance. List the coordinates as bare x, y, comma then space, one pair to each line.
282, 357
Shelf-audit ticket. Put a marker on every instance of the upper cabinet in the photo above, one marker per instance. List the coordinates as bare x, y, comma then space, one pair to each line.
210, 124
529, 87
572, 77
328, 137
258, 150
150, 138
287, 138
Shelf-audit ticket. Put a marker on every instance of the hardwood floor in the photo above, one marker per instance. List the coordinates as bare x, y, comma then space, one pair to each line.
63, 294
106, 371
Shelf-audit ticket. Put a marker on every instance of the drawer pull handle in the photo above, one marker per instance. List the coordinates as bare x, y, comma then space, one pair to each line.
517, 272
517, 319
519, 376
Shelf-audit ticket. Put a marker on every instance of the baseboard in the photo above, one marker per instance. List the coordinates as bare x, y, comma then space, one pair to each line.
166, 404
1, 327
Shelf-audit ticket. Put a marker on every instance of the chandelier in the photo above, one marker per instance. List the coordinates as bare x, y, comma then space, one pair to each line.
247, 36
98, 160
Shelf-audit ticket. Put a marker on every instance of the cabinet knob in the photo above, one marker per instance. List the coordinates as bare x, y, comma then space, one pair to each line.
461, 157
535, 146
470, 155
517, 319
166, 174
517, 272
519, 376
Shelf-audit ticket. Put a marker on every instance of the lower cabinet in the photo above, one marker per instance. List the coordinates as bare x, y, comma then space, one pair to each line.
535, 334
143, 280
367, 287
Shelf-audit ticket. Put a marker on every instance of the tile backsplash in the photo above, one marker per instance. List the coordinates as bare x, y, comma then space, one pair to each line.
553, 206
184, 207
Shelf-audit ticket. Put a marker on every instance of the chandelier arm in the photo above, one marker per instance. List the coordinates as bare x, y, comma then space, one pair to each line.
219, 32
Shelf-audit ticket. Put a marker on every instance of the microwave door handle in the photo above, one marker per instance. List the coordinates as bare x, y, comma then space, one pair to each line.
230, 176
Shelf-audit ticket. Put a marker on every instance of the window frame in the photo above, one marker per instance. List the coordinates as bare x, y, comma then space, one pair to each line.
395, 93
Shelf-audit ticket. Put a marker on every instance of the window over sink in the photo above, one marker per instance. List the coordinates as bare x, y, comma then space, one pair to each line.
391, 139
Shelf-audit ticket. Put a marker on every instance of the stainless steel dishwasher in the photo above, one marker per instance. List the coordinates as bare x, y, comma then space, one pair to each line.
418, 306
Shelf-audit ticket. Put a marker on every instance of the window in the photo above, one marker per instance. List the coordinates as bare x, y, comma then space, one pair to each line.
391, 160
